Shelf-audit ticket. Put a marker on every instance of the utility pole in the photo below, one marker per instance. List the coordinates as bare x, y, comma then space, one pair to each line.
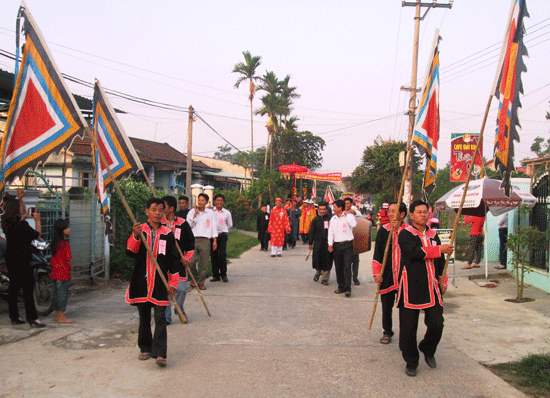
413, 90
189, 166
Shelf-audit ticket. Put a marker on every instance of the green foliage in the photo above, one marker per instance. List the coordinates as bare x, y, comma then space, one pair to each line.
239, 243
300, 147
136, 194
532, 372
379, 172
541, 147
521, 243
238, 204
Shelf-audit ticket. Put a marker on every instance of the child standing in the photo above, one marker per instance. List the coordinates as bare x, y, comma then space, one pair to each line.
61, 269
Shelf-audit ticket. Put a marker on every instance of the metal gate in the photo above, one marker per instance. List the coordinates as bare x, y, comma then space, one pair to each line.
539, 257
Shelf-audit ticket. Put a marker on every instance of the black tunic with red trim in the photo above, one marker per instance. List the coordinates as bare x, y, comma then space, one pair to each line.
146, 284
390, 276
421, 267
185, 239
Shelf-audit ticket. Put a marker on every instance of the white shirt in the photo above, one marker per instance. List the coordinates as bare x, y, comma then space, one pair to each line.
224, 220
341, 228
503, 221
204, 225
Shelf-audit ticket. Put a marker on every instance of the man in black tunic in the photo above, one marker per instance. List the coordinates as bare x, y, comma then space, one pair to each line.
389, 280
420, 288
146, 290
318, 242
262, 222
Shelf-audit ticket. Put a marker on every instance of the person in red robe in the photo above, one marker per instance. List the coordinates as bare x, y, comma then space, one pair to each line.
278, 227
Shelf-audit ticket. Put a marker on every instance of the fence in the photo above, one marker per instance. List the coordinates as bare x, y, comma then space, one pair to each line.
539, 257
79, 204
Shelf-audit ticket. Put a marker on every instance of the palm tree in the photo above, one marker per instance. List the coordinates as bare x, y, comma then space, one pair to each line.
287, 91
275, 106
247, 69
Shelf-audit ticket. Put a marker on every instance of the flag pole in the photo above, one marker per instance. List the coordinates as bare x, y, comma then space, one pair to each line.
459, 211
134, 221
180, 252
388, 241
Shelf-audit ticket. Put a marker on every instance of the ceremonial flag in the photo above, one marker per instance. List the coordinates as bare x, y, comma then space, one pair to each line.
329, 197
113, 143
314, 190
506, 88
43, 117
426, 129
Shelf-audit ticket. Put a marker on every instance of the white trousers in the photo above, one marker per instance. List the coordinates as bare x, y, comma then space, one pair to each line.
275, 250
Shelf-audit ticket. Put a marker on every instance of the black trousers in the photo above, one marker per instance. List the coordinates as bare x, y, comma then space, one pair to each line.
355, 267
342, 256
408, 326
219, 257
21, 278
155, 344
388, 301
503, 253
264, 240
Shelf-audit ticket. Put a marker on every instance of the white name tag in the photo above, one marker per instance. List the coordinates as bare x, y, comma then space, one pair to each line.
177, 233
344, 227
162, 247
207, 223
326, 224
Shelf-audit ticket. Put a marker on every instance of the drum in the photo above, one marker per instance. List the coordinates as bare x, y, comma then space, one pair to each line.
361, 236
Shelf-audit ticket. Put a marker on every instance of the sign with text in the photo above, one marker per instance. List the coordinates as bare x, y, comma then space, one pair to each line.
463, 147
445, 238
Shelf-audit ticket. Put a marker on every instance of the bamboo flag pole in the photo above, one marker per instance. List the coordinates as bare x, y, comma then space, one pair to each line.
455, 225
134, 221
388, 241
180, 252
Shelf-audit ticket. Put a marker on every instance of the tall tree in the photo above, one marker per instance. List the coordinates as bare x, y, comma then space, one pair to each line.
247, 69
379, 171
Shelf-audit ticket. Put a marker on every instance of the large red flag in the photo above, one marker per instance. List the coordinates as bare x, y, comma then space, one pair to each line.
43, 116
506, 88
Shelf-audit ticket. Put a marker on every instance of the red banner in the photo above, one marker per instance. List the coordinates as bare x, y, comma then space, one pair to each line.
335, 177
463, 147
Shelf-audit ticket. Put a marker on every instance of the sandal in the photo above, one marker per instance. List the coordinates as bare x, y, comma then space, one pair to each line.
338, 291
385, 340
467, 266
324, 283
500, 266
144, 356
475, 266
161, 362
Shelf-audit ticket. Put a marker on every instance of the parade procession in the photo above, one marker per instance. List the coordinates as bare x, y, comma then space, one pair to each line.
347, 238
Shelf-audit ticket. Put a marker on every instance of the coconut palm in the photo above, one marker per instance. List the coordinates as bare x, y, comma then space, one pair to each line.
275, 106
247, 69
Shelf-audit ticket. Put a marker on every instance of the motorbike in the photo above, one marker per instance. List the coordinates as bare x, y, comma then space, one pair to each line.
43, 285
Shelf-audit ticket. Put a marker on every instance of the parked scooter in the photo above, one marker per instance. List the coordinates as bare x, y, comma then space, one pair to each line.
43, 285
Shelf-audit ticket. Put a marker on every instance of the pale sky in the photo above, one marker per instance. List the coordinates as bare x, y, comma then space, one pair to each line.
347, 59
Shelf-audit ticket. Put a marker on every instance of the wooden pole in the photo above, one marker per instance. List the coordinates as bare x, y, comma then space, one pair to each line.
455, 225
134, 221
148, 182
189, 166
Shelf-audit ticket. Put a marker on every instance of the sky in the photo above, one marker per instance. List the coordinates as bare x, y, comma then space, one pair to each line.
348, 60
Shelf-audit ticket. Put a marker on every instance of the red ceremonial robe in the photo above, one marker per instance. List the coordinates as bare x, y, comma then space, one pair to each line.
278, 225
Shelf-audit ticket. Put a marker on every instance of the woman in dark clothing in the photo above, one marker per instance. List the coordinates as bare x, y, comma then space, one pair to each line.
19, 236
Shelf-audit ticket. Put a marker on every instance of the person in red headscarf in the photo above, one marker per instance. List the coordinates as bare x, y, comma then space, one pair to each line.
278, 226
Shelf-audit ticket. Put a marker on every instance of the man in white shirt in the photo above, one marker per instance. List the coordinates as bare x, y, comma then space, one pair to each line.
340, 243
202, 224
350, 208
223, 220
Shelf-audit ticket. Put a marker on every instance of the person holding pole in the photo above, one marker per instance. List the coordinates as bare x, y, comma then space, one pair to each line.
318, 243
147, 290
218, 256
186, 241
389, 279
340, 243
420, 288
203, 223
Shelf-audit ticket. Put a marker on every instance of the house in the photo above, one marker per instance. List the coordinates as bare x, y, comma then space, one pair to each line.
230, 175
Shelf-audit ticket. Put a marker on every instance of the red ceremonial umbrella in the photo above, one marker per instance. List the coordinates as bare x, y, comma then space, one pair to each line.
292, 169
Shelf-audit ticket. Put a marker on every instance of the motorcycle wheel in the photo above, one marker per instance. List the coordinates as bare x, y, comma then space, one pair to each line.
43, 294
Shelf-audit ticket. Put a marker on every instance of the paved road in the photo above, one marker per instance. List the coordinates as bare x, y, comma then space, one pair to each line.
274, 332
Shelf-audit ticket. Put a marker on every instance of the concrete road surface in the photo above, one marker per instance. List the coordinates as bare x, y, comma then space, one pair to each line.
274, 332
